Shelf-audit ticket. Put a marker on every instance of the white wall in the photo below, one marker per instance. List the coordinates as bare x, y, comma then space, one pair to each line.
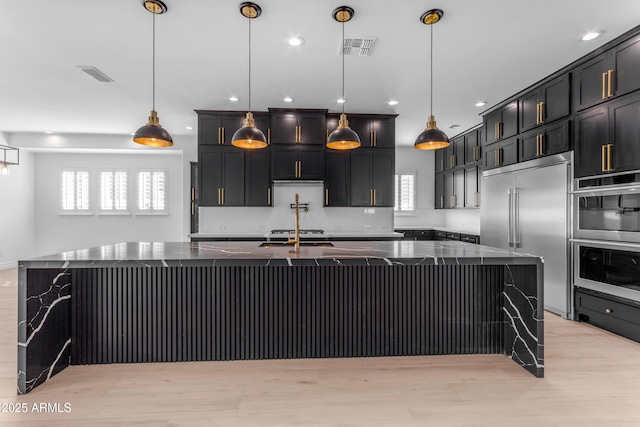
17, 238
56, 232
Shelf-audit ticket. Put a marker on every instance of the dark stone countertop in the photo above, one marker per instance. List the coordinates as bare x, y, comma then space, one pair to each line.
157, 254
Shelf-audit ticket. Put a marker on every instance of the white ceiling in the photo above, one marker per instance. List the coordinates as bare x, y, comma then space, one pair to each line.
483, 50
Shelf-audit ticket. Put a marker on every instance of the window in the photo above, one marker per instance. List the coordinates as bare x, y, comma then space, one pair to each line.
74, 191
405, 193
113, 191
151, 191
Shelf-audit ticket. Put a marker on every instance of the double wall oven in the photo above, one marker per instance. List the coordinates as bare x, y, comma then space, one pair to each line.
606, 237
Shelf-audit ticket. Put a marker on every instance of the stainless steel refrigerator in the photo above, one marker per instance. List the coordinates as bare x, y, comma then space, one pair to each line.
526, 208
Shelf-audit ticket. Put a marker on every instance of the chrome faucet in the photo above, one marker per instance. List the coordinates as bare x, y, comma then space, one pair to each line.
296, 239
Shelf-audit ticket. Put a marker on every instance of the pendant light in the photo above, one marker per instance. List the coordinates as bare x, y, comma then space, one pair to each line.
432, 138
343, 138
13, 154
249, 136
152, 134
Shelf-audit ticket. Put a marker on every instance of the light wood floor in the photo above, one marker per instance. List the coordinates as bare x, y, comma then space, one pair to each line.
592, 379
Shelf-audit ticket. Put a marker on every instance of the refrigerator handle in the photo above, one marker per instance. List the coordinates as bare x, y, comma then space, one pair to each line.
510, 230
516, 218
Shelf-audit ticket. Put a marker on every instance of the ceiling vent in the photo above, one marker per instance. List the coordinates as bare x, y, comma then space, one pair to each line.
360, 46
96, 74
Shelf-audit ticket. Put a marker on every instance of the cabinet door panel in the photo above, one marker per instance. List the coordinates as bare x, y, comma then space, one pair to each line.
448, 190
311, 163
471, 179
529, 146
210, 176
283, 163
383, 169
627, 64
258, 172
362, 126
230, 124
208, 126
588, 82
490, 126
439, 191
312, 128
472, 147
336, 181
233, 177
458, 188
385, 132
555, 139
509, 152
283, 128
529, 110
509, 120
361, 165
591, 133
626, 135
440, 156
555, 95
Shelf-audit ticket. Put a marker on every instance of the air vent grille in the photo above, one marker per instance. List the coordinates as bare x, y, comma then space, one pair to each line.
360, 46
96, 74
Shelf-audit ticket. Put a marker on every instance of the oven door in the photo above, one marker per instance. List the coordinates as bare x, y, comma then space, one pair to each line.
609, 267
611, 214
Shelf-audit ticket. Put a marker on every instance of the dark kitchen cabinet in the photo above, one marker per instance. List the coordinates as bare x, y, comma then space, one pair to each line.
218, 127
297, 163
439, 191
258, 177
440, 156
472, 187
453, 196
611, 74
305, 127
502, 123
606, 137
454, 153
372, 173
544, 141
501, 153
374, 131
472, 149
546, 103
221, 173
337, 182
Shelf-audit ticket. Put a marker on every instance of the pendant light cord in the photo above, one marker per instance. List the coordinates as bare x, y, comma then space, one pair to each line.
342, 49
431, 73
153, 62
249, 64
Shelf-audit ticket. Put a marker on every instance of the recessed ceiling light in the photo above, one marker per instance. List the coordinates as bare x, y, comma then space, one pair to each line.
393, 102
48, 132
234, 99
341, 101
288, 99
188, 128
481, 103
590, 36
296, 41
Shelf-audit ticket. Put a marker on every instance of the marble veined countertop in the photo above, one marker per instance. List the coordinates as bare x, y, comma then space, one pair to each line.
251, 253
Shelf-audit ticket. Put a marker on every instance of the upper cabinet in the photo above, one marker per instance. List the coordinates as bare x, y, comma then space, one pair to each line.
472, 149
305, 127
454, 153
611, 74
546, 103
217, 128
501, 123
372, 177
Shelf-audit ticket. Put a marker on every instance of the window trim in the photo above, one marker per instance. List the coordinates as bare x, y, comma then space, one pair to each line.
396, 189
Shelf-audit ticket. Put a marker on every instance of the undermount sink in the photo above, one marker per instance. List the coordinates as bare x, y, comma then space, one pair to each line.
279, 244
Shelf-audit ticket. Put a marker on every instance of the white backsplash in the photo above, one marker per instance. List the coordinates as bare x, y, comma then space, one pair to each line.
281, 216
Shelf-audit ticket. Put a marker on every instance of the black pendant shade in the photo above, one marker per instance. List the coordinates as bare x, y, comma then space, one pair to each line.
152, 134
343, 138
431, 138
249, 136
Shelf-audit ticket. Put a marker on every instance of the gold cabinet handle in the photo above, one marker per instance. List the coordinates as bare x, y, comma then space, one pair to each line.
538, 113
193, 209
441, 165
222, 136
219, 198
452, 201
542, 112
269, 196
537, 145
609, 168
476, 153
193, 193
608, 310
223, 195
476, 199
496, 131
269, 136
219, 135
299, 168
542, 144
603, 156
370, 197
375, 203
326, 197
441, 201
609, 84
604, 85
375, 138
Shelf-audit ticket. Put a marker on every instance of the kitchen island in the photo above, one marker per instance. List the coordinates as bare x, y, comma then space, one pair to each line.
170, 302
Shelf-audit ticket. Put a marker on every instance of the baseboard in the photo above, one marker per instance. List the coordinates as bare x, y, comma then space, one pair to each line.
7, 265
